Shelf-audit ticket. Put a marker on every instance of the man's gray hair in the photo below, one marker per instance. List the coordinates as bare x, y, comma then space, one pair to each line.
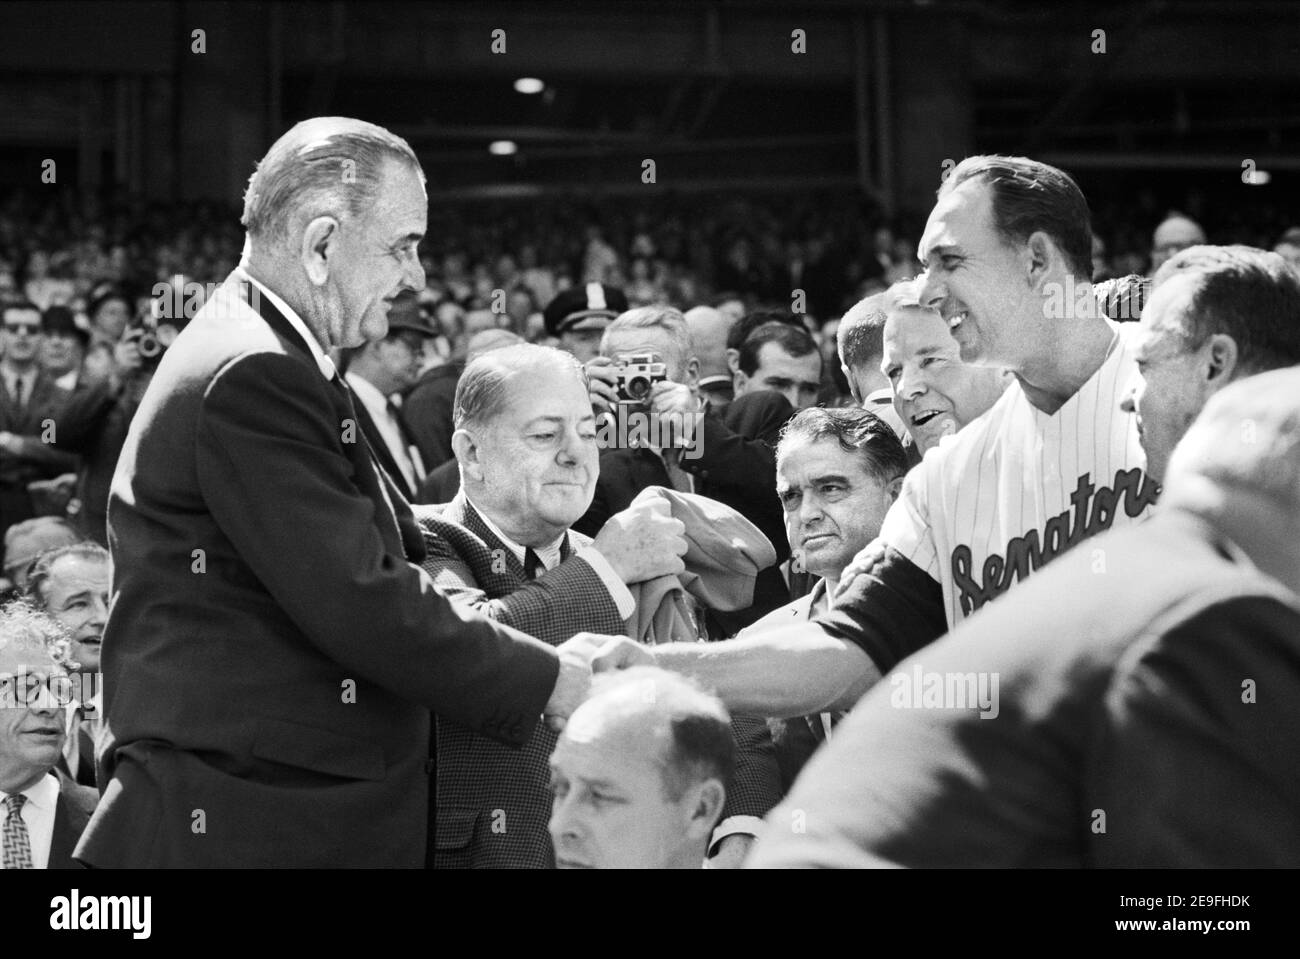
325, 166
30, 638
860, 338
481, 392
666, 318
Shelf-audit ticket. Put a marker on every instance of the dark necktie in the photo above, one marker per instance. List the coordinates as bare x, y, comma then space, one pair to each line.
17, 845
532, 564
20, 395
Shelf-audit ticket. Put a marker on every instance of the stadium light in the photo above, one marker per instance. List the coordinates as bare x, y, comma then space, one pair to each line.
502, 148
529, 85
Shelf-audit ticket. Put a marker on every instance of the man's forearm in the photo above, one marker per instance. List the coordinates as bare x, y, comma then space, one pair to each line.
791, 671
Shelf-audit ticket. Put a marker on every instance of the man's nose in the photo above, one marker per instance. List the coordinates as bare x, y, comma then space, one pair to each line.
413, 278
810, 510
911, 382
1127, 404
564, 820
933, 291
99, 612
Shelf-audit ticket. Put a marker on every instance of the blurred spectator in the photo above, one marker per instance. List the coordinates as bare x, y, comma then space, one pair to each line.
639, 774
1288, 247
427, 409
30, 415
579, 316
64, 347
379, 372
25, 541
781, 358
709, 329
1176, 232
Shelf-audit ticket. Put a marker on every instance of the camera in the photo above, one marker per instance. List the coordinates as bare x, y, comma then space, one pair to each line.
151, 338
636, 375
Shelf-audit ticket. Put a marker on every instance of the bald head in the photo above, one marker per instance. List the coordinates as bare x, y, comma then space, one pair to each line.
639, 774
709, 329
1239, 465
484, 387
1176, 232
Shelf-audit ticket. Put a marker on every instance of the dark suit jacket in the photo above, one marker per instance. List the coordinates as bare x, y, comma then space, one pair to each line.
38, 460
493, 803
427, 410
272, 652
441, 484
71, 813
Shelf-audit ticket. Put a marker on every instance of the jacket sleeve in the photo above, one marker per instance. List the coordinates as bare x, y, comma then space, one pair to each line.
563, 601
274, 475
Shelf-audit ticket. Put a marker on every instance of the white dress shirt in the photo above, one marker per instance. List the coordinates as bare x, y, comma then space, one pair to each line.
325, 364
92, 713
38, 814
376, 403
550, 558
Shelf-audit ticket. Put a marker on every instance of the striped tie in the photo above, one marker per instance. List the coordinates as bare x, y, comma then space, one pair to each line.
17, 846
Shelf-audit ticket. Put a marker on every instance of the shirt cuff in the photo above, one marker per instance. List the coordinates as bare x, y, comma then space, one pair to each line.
618, 590
734, 826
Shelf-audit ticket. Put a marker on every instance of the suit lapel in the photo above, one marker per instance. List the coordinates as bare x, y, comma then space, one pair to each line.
402, 535
504, 576
69, 823
380, 449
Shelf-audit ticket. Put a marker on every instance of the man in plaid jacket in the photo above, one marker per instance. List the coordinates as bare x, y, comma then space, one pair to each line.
525, 441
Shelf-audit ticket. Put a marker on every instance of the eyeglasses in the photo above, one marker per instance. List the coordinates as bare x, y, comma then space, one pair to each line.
32, 328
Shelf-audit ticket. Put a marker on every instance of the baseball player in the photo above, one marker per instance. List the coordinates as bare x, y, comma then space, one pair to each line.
1007, 250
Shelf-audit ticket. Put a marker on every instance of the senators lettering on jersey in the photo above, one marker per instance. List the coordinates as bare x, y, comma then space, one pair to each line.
992, 504
1094, 511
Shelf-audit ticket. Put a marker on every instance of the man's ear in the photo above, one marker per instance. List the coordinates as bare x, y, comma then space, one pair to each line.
466, 450
706, 807
318, 242
733, 361
894, 488
1040, 256
1221, 355
692, 371
739, 380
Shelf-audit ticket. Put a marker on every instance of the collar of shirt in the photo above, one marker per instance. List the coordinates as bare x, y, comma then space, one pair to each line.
41, 796
375, 401
549, 554
323, 362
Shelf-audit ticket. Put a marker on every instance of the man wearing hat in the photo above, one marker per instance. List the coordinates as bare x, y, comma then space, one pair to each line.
378, 373
579, 315
64, 347
30, 404
25, 541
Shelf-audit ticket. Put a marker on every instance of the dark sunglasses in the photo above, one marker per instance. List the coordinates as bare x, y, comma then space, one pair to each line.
32, 328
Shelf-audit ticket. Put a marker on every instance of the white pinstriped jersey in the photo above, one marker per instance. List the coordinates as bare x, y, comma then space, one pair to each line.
1017, 486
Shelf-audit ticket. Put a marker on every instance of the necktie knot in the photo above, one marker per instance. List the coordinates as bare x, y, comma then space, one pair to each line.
17, 849
532, 564
14, 804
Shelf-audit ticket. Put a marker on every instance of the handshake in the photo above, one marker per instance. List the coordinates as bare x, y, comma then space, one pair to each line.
581, 657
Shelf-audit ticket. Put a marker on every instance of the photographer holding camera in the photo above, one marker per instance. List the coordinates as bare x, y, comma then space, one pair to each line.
644, 384
98, 414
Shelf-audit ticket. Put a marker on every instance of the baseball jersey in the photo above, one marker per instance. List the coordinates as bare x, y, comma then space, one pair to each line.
992, 504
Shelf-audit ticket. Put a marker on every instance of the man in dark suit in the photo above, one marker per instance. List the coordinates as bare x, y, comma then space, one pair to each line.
42, 812
525, 443
30, 405
273, 652
729, 458
377, 373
